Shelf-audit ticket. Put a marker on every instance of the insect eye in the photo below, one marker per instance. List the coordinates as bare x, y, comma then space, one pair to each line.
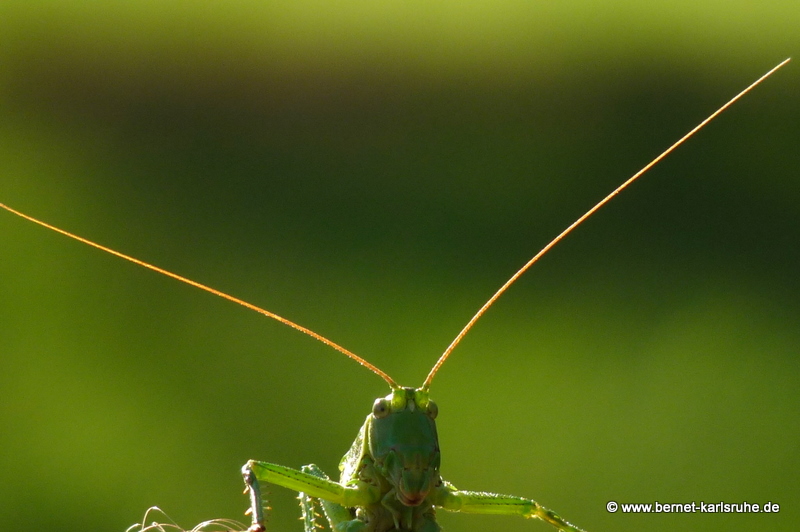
433, 410
380, 408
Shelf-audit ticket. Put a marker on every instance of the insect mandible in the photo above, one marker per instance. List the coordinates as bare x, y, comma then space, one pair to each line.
390, 478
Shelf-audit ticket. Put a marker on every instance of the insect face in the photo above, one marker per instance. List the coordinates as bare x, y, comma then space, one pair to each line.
403, 443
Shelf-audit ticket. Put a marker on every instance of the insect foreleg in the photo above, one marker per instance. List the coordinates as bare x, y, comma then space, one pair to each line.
339, 518
253, 489
308, 511
448, 497
307, 482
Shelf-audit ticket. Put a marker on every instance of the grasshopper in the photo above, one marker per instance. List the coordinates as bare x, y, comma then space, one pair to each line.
390, 478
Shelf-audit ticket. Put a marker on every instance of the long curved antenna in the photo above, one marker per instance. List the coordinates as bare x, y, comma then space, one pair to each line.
580, 220
377, 371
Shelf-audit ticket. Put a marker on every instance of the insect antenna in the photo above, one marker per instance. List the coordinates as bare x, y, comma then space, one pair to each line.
377, 371
579, 221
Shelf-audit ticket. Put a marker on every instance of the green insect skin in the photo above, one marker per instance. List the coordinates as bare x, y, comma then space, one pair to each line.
390, 478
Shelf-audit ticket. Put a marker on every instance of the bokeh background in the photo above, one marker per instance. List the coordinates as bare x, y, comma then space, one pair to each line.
375, 170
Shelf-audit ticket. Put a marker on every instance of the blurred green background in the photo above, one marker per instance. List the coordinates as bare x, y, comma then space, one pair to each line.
375, 170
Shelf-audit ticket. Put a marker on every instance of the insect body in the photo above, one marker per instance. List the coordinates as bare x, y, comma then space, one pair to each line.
390, 478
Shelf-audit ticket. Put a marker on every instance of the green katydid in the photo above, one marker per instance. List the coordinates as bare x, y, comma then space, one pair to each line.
390, 478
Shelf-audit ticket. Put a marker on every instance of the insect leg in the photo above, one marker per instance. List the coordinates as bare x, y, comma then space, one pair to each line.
449, 498
308, 511
339, 517
310, 484
253, 489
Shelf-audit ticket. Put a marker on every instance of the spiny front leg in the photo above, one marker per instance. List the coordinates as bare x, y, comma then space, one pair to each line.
253, 489
306, 482
339, 518
308, 511
476, 502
